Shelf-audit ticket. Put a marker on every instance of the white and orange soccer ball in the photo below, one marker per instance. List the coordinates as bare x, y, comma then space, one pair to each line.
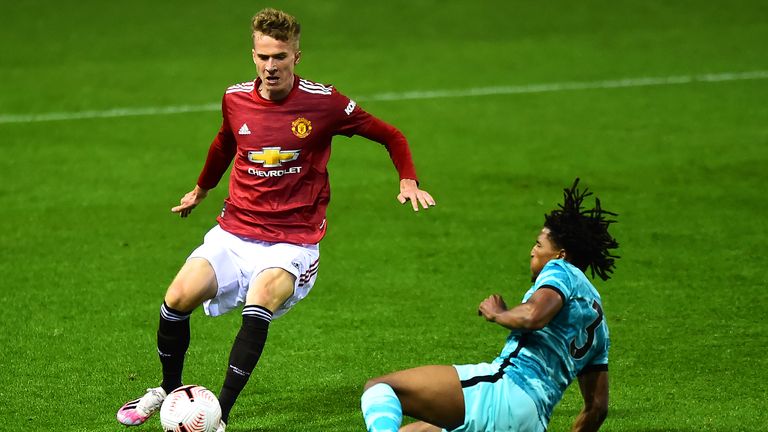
190, 408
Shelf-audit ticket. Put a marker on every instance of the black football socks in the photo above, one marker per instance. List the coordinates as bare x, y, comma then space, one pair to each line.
245, 353
172, 344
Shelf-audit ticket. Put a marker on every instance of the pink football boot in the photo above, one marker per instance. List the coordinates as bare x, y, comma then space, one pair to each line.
137, 411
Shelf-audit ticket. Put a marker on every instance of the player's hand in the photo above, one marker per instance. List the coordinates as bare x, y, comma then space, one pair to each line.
409, 191
190, 201
491, 307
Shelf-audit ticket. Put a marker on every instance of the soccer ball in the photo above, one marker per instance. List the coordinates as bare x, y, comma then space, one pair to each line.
190, 408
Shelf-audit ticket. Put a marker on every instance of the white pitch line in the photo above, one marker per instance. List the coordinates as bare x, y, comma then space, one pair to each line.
565, 86
409, 95
114, 112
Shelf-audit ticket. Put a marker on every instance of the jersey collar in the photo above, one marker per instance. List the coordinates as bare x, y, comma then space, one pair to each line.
260, 99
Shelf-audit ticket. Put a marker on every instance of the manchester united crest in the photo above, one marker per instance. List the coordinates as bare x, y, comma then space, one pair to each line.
301, 127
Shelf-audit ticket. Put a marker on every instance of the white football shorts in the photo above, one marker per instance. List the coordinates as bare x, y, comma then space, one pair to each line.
237, 261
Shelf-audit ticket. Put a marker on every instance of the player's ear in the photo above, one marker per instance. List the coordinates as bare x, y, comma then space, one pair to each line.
298, 57
253, 55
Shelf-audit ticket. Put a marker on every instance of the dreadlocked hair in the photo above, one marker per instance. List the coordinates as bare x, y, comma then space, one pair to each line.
583, 233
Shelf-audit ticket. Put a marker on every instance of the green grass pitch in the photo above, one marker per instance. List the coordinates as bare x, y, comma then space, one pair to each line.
88, 244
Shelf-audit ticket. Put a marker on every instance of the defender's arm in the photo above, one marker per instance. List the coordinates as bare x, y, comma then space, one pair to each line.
534, 314
594, 390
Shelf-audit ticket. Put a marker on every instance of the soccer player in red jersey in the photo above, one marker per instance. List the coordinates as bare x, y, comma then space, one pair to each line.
264, 253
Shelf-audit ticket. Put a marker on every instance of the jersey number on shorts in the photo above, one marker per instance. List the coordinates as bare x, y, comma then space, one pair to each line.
579, 352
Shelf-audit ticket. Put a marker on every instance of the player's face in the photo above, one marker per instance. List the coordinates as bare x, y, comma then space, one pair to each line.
275, 61
543, 251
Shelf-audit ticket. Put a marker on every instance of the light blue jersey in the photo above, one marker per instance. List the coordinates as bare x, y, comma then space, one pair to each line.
544, 362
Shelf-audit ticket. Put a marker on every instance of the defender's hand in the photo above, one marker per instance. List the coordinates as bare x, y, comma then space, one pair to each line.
492, 307
409, 191
190, 201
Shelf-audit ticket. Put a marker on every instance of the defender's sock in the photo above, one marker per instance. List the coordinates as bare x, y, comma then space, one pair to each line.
172, 344
245, 353
381, 409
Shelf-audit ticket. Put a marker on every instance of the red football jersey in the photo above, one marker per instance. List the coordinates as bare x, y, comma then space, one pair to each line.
278, 188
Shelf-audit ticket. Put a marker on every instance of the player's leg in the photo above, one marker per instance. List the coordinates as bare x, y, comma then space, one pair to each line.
429, 393
266, 293
420, 426
195, 283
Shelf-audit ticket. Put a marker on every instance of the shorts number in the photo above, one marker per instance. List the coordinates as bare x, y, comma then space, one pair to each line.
579, 352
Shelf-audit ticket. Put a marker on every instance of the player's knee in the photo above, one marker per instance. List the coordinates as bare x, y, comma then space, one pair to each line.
175, 298
271, 288
184, 295
372, 382
195, 283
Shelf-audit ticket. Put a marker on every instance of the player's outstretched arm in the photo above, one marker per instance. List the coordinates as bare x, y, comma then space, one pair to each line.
594, 390
190, 201
409, 191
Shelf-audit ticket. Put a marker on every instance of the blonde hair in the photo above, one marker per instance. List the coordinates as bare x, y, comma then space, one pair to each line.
276, 24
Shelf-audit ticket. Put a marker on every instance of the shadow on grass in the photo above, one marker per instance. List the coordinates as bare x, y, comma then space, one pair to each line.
627, 419
322, 408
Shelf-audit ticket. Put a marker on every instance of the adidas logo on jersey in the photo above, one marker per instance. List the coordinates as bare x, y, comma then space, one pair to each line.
244, 130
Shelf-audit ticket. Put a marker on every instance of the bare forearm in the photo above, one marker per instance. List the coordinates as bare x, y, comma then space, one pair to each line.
519, 318
534, 314
588, 421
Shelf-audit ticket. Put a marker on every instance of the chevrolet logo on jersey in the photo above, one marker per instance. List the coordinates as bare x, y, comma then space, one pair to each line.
271, 157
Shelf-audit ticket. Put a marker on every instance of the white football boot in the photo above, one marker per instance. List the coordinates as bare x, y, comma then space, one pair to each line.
137, 411
222, 426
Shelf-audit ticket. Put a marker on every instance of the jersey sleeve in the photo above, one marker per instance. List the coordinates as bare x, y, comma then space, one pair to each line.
220, 154
356, 121
555, 277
